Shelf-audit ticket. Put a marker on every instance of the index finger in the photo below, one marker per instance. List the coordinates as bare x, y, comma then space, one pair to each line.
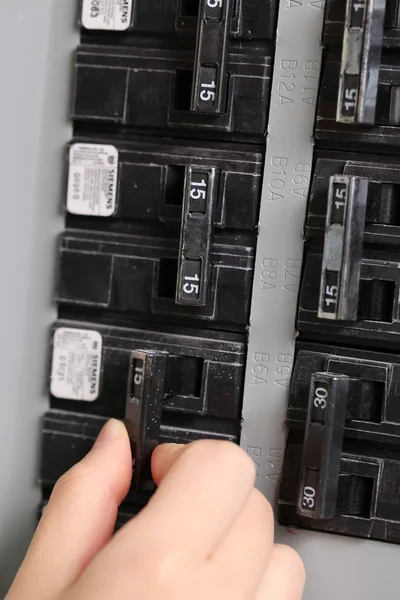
199, 498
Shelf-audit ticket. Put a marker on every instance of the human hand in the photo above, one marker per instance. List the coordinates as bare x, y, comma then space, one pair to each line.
206, 532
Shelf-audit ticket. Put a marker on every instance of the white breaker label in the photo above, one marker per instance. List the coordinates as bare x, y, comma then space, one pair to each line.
111, 15
76, 366
92, 180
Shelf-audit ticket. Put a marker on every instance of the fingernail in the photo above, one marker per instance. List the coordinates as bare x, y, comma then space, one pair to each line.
111, 430
169, 447
169, 450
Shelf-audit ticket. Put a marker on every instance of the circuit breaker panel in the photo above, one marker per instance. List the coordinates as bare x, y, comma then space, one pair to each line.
229, 266
170, 102
341, 471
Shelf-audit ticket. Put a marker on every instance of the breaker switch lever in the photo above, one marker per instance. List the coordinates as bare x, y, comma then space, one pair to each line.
197, 221
210, 79
143, 410
360, 64
322, 449
344, 232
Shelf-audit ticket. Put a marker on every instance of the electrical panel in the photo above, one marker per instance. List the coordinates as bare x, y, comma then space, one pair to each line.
232, 382
232, 233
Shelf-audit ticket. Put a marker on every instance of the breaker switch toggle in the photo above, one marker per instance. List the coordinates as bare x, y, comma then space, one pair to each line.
344, 231
322, 448
143, 410
210, 77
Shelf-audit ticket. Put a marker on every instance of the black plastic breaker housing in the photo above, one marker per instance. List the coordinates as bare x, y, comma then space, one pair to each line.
249, 20
376, 323
335, 14
172, 385
203, 377
146, 182
382, 217
137, 275
351, 271
362, 499
358, 101
148, 89
383, 134
207, 26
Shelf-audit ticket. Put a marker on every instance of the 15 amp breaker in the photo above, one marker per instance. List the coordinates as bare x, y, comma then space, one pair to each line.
229, 260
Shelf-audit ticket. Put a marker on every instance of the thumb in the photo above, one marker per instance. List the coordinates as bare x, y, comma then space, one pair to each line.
79, 518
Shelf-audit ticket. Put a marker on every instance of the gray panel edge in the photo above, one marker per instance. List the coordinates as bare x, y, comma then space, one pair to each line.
37, 41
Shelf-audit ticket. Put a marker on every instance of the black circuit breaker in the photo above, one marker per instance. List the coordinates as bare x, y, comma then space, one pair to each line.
223, 73
351, 268
163, 186
171, 385
359, 96
145, 89
342, 465
148, 181
201, 379
141, 275
341, 471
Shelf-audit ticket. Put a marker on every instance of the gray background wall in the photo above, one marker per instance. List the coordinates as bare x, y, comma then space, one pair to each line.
36, 41
37, 38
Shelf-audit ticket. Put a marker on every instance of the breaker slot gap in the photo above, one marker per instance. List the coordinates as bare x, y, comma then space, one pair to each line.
174, 187
376, 300
167, 276
190, 8
355, 496
366, 400
383, 205
184, 376
183, 89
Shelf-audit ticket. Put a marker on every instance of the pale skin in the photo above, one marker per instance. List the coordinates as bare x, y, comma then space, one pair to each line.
206, 533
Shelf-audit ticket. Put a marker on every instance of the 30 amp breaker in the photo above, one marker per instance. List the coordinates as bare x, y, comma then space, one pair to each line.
228, 259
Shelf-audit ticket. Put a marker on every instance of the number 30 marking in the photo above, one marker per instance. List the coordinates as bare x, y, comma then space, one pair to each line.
308, 497
320, 397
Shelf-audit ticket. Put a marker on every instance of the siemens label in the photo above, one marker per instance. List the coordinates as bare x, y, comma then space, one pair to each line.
107, 15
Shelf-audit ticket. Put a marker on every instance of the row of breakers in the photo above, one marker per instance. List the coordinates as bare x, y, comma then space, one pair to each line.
131, 82
169, 204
